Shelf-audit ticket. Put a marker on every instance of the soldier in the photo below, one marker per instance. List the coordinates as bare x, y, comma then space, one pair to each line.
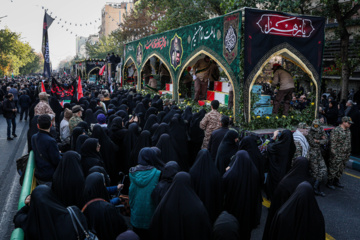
43, 106
210, 122
340, 152
76, 118
316, 137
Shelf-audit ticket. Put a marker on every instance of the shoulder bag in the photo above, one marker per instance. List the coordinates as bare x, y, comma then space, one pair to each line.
75, 221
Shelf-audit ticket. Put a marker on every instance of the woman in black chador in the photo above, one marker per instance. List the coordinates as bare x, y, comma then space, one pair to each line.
228, 147
49, 219
102, 216
181, 215
299, 218
298, 173
280, 154
242, 189
68, 180
206, 180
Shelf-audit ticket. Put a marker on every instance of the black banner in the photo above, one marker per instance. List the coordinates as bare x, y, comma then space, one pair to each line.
45, 44
63, 91
268, 31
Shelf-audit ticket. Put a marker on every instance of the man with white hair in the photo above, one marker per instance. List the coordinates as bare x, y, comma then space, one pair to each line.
301, 144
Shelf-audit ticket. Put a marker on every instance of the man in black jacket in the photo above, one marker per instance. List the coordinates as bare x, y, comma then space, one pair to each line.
10, 114
24, 102
46, 151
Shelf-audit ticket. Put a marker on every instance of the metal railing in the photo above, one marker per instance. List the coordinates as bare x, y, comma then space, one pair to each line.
29, 184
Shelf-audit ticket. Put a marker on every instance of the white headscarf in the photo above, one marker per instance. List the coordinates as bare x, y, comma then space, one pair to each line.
299, 137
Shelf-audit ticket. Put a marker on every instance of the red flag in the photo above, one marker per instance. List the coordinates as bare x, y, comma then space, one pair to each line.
101, 72
42, 87
79, 89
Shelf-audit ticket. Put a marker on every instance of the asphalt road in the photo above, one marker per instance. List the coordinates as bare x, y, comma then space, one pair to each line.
9, 178
340, 207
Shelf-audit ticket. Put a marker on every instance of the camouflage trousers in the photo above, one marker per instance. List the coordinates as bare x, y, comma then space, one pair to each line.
336, 167
317, 165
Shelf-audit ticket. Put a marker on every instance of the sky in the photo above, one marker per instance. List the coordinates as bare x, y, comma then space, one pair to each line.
26, 17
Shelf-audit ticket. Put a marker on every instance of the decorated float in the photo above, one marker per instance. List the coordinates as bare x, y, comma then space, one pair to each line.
244, 44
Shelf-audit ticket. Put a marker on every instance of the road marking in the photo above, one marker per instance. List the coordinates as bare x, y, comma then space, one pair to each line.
266, 202
352, 175
328, 237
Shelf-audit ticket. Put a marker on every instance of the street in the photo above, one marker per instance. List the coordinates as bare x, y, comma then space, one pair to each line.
341, 208
9, 178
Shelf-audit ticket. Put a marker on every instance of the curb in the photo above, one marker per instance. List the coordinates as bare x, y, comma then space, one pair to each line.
354, 163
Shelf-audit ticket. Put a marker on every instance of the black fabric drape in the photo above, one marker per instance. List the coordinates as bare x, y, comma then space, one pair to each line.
125, 140
206, 180
180, 215
226, 227
355, 129
299, 217
167, 151
150, 112
143, 141
332, 114
123, 114
109, 152
84, 126
89, 156
148, 157
167, 174
49, 219
128, 235
216, 137
80, 141
163, 128
105, 220
179, 140
249, 144
196, 135
280, 155
77, 131
151, 120
160, 116
68, 180
228, 147
242, 189
95, 187
101, 170
298, 173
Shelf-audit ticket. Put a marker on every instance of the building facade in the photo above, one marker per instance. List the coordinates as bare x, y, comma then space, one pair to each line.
112, 16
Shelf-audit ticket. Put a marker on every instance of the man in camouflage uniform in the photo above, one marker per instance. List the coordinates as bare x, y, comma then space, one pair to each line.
301, 144
210, 123
340, 152
76, 118
43, 106
316, 137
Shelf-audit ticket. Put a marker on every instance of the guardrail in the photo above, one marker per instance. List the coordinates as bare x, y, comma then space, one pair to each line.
29, 184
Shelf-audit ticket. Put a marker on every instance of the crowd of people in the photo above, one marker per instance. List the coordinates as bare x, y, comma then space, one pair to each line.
190, 174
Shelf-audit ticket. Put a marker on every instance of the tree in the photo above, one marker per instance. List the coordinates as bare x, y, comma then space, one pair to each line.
141, 22
175, 14
103, 47
34, 66
343, 13
14, 54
